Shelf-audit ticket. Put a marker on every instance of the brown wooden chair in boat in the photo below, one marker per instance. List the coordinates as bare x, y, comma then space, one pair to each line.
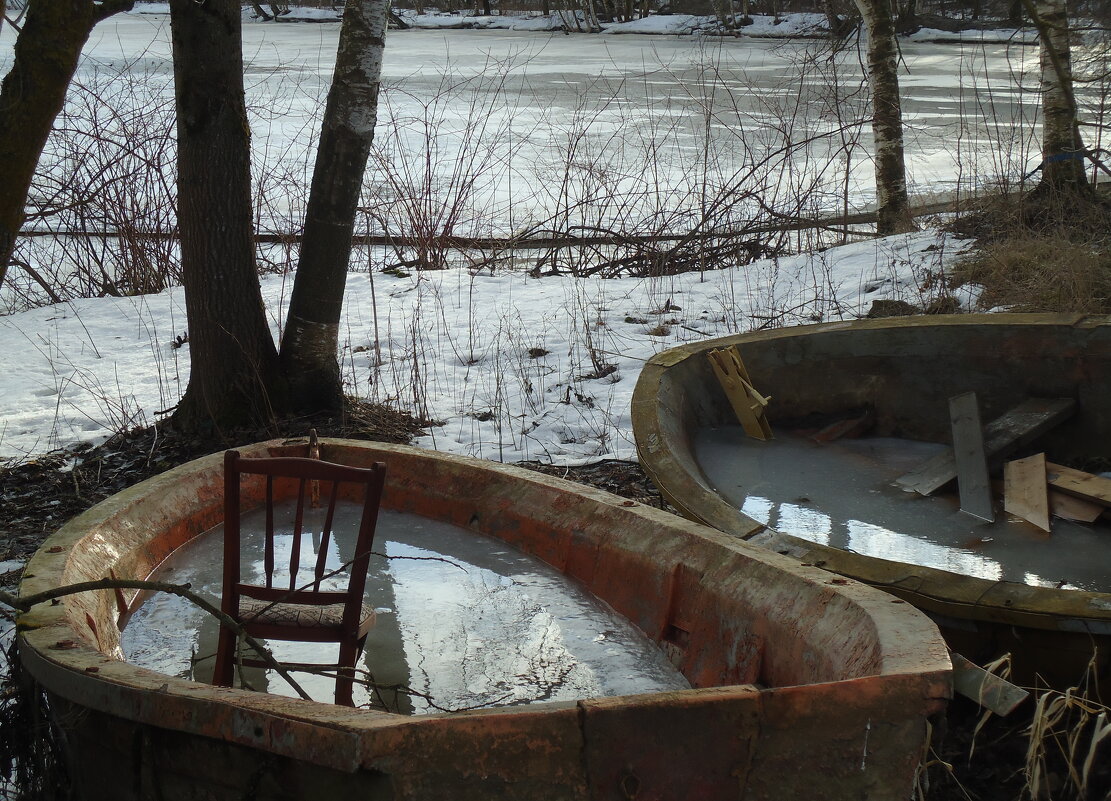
281, 608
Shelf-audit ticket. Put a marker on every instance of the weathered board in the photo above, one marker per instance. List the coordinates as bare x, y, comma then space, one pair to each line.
1070, 508
849, 428
1024, 491
1002, 436
970, 457
1096, 489
747, 403
986, 689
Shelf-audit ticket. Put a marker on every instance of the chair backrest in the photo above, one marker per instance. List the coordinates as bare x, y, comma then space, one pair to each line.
306, 475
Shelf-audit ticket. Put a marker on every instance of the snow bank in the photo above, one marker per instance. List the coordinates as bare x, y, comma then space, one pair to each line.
515, 367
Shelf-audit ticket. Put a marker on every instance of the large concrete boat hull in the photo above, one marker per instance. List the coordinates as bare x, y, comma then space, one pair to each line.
805, 684
904, 370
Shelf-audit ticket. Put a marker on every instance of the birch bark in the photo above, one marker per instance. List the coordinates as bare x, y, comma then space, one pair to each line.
1062, 149
311, 338
893, 205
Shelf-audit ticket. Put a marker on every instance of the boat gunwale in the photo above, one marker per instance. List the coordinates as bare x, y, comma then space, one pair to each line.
61, 657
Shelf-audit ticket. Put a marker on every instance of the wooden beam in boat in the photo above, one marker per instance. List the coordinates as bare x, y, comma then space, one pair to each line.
970, 457
1096, 489
1024, 491
986, 689
850, 428
747, 403
1068, 507
1022, 424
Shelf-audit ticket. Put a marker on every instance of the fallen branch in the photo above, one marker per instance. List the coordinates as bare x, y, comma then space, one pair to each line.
24, 603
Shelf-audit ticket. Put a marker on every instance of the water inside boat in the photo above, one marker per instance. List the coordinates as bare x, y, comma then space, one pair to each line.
463, 621
841, 494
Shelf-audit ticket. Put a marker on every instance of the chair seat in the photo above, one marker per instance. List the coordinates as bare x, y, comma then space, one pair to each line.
309, 616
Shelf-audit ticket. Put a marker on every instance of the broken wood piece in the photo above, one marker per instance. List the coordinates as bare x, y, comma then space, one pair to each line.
314, 453
985, 688
756, 396
1068, 507
1088, 486
850, 428
747, 403
973, 482
1024, 491
1002, 436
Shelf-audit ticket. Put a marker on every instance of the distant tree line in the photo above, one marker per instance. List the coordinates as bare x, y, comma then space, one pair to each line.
988, 10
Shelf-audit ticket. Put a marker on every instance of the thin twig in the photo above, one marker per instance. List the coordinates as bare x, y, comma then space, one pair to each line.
26, 602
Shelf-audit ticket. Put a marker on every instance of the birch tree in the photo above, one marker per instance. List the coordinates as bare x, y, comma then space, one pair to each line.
312, 326
33, 92
1062, 149
236, 375
893, 205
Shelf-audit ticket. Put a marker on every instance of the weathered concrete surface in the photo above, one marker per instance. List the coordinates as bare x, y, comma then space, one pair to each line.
848, 677
904, 369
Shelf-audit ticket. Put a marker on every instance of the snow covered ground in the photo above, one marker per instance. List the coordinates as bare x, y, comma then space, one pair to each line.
662, 119
504, 360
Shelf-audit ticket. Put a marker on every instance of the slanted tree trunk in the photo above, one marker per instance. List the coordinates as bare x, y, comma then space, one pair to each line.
32, 94
908, 17
839, 26
1062, 148
312, 327
887, 120
233, 376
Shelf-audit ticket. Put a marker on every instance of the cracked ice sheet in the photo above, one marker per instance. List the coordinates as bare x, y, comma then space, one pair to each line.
455, 346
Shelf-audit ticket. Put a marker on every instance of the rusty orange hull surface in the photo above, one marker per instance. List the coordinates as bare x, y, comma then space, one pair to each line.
805, 684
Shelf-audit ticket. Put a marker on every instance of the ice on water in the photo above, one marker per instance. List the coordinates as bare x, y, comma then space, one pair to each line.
464, 619
841, 494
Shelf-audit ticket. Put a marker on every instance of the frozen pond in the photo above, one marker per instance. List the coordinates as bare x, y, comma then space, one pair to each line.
463, 619
841, 494
526, 128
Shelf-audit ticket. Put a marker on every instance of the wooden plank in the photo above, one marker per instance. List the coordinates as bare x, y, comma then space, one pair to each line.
1096, 489
971, 459
1022, 424
1069, 508
850, 428
1024, 491
986, 689
747, 403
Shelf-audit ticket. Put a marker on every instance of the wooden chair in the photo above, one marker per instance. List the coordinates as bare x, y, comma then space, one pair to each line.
288, 610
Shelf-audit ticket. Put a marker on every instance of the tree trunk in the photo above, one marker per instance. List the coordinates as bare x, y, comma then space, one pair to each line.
887, 121
233, 375
1062, 149
908, 17
312, 327
32, 94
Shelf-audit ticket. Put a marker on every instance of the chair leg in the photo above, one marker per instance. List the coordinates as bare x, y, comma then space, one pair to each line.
225, 657
345, 676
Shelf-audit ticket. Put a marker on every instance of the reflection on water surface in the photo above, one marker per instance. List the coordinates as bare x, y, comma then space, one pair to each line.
841, 494
463, 619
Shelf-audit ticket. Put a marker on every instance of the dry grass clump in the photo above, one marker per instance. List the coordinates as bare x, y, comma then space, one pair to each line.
1046, 273
1039, 253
